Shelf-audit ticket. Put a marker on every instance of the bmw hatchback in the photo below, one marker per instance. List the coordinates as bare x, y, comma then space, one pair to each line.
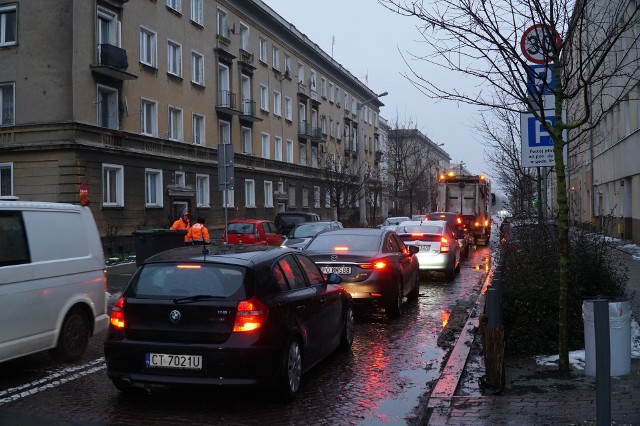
242, 315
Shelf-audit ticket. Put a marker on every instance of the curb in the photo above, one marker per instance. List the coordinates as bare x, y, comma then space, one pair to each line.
445, 388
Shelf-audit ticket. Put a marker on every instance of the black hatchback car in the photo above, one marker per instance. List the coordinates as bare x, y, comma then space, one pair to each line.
226, 315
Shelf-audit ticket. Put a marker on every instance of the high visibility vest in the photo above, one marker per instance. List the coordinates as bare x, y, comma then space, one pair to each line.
198, 233
180, 225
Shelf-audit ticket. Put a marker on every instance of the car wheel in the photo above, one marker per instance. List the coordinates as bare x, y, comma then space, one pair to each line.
457, 269
413, 295
346, 340
466, 251
74, 337
123, 386
290, 372
450, 274
394, 308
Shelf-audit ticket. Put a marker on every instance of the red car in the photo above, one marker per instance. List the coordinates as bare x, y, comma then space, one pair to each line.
252, 231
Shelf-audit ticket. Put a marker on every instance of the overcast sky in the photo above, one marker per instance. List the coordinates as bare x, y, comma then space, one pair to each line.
369, 40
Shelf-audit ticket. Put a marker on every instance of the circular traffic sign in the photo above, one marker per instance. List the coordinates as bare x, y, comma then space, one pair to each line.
536, 43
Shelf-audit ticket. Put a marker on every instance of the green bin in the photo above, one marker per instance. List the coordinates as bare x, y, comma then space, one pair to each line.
152, 241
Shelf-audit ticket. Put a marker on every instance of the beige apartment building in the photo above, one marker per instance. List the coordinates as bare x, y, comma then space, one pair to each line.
142, 101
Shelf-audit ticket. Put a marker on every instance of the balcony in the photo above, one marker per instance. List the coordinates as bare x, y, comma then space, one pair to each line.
350, 146
316, 134
302, 91
226, 102
112, 62
248, 111
304, 130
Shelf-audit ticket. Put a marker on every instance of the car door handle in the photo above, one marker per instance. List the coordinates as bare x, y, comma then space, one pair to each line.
301, 308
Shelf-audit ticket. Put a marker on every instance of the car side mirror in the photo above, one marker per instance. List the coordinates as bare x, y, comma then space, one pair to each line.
333, 278
413, 249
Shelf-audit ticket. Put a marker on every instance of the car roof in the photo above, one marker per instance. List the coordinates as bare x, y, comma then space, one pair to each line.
237, 254
442, 223
248, 220
297, 214
357, 231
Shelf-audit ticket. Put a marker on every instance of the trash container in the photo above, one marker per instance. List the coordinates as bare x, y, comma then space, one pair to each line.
619, 337
152, 241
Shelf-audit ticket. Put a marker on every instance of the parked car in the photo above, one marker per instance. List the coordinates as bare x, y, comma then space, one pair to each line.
52, 279
456, 223
252, 231
390, 223
377, 269
305, 231
226, 315
286, 221
418, 217
438, 248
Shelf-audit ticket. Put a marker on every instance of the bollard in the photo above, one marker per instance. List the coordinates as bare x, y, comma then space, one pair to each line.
603, 362
493, 314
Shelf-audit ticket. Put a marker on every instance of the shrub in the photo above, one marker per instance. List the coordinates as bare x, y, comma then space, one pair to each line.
530, 286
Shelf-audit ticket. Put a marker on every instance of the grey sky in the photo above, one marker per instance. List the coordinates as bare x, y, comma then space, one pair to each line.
368, 41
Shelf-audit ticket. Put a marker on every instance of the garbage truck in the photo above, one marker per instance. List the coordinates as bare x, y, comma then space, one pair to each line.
471, 197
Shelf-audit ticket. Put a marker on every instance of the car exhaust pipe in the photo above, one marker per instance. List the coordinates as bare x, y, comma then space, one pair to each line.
126, 381
375, 303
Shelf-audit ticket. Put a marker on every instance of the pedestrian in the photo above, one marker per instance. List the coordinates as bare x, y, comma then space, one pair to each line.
198, 234
183, 223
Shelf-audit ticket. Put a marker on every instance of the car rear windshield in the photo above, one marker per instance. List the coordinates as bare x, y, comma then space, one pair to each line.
419, 229
241, 228
310, 230
344, 242
289, 221
189, 279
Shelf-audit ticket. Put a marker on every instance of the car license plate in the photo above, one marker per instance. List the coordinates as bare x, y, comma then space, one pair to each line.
424, 247
340, 270
186, 362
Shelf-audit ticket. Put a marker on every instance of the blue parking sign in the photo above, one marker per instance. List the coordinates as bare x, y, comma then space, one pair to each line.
540, 80
538, 135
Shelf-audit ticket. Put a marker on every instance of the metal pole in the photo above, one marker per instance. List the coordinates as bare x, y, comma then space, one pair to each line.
362, 195
603, 362
226, 193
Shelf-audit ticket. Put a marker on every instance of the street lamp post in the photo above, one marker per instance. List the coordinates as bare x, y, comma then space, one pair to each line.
361, 162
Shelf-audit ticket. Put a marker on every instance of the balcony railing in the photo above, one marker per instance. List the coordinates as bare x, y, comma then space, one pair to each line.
226, 99
316, 133
302, 89
304, 129
113, 56
349, 145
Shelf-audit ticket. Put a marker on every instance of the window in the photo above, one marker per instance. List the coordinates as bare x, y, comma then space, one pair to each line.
153, 188
300, 73
346, 101
180, 179
292, 196
288, 108
277, 103
112, 185
197, 11
266, 148
202, 190
268, 193
332, 127
245, 134
175, 124
224, 132
108, 32
227, 198
277, 148
197, 68
338, 96
323, 87
249, 193
174, 58
327, 198
316, 197
323, 124
312, 84
148, 117
314, 157
6, 179
197, 124
305, 197
338, 131
276, 58
175, 5
225, 98
8, 25
331, 93
107, 107
7, 104
244, 37
303, 154
263, 50
287, 65
289, 151
264, 97
223, 28
148, 47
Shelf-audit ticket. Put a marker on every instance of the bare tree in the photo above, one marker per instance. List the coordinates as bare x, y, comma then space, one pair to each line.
591, 45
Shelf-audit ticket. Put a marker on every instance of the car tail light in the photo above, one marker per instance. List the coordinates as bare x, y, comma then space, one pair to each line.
444, 245
376, 264
417, 235
477, 224
459, 221
117, 314
341, 248
250, 315
486, 223
257, 235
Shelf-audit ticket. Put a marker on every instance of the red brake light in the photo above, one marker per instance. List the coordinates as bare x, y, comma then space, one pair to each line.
250, 315
188, 266
117, 314
444, 245
477, 224
340, 248
417, 235
459, 221
377, 264
486, 223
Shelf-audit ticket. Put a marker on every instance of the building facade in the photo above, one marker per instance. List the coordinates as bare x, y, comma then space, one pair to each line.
161, 106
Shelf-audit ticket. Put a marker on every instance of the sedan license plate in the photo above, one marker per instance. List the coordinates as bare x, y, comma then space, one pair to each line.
185, 362
424, 247
340, 270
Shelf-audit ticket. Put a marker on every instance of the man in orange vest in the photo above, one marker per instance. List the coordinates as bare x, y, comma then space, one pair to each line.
182, 224
198, 234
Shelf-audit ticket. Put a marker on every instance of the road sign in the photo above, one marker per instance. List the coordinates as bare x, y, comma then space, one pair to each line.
537, 145
540, 83
225, 166
536, 43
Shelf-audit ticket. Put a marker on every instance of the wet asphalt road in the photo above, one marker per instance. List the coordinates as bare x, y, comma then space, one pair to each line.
385, 379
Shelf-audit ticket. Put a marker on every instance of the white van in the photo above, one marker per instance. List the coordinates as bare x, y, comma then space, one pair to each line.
52, 279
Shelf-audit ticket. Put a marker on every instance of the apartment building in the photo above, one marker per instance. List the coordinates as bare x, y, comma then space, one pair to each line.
157, 106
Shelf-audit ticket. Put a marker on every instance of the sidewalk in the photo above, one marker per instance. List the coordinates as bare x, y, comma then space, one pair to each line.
533, 394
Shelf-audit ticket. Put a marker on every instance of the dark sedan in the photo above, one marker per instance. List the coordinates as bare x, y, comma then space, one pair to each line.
304, 232
227, 315
376, 267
